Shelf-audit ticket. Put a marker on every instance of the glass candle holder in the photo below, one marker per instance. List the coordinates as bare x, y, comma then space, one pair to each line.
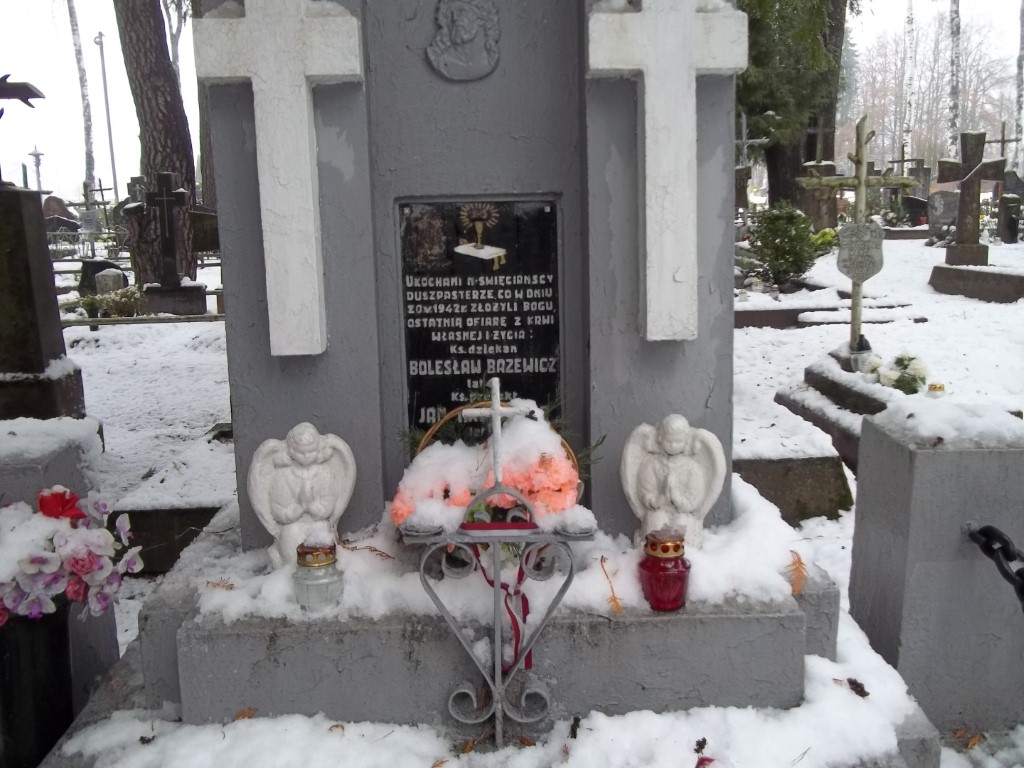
317, 579
664, 572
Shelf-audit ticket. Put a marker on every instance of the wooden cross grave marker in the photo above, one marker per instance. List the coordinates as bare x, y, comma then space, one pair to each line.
284, 47
860, 243
670, 43
970, 171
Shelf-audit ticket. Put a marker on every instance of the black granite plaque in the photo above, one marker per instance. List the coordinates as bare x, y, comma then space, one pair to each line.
480, 293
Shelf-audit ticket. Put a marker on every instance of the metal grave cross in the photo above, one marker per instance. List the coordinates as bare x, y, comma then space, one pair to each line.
495, 412
166, 200
970, 171
670, 43
283, 47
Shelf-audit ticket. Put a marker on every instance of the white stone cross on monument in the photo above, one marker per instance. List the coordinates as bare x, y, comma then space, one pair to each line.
284, 47
496, 412
669, 42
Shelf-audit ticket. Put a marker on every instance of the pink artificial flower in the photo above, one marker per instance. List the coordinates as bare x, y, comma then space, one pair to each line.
460, 498
123, 527
13, 598
76, 589
99, 601
42, 562
36, 606
99, 576
131, 562
60, 502
83, 563
402, 507
4, 615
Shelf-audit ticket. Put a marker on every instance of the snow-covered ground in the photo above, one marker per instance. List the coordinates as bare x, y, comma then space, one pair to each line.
159, 389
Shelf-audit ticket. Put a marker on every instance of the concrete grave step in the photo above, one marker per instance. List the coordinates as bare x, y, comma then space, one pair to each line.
838, 423
802, 488
905, 233
984, 283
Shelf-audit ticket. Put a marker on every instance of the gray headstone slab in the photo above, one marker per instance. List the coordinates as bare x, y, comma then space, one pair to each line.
942, 210
860, 250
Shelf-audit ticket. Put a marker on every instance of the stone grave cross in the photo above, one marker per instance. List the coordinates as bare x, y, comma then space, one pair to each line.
166, 200
283, 47
970, 171
669, 42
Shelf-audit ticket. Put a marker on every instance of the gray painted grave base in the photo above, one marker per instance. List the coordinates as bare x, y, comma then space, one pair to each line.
923, 593
123, 689
23, 475
723, 654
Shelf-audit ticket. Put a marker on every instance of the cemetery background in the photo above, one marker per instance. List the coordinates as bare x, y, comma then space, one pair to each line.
973, 347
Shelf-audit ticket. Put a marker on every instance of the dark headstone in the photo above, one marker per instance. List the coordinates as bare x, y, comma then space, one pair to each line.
915, 209
204, 230
61, 224
1008, 222
54, 206
165, 200
174, 300
970, 172
473, 313
1013, 184
30, 334
942, 211
91, 268
923, 174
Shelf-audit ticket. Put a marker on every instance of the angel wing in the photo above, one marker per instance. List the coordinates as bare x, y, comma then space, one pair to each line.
709, 453
343, 473
641, 441
268, 457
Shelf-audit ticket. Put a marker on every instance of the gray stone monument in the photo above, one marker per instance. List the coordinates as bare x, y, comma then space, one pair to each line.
36, 378
970, 171
931, 604
942, 211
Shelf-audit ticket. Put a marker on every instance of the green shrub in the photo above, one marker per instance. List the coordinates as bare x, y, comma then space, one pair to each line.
126, 302
781, 241
823, 240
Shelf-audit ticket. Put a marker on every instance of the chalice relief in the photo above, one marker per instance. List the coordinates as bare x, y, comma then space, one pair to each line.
465, 46
299, 488
476, 218
672, 475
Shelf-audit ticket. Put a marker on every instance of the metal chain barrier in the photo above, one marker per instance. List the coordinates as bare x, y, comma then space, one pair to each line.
1000, 548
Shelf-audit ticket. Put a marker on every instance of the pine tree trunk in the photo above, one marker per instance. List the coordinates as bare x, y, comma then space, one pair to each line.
784, 164
163, 127
825, 119
954, 78
83, 84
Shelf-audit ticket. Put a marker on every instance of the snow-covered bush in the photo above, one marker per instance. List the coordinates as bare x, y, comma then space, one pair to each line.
906, 373
781, 241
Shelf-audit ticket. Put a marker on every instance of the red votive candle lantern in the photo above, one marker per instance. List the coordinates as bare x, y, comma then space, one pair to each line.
664, 572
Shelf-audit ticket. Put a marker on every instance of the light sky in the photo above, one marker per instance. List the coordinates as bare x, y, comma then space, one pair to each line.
35, 46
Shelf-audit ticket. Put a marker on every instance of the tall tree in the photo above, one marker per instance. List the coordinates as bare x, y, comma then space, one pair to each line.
209, 187
786, 81
909, 77
1018, 165
83, 84
954, 78
176, 13
163, 127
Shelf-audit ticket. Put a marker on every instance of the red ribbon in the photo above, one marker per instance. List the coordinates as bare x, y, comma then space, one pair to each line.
513, 593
